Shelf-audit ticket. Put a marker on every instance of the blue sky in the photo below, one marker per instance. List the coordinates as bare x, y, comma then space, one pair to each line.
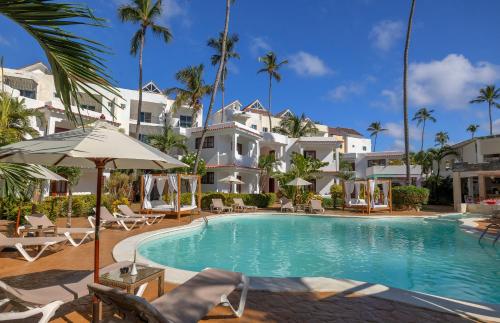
345, 57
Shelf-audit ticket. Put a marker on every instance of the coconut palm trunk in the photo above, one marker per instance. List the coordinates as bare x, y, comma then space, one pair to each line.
405, 94
491, 119
269, 103
422, 141
214, 88
139, 105
222, 97
375, 143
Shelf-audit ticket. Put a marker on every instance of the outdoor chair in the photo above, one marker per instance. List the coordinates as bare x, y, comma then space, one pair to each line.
286, 204
22, 243
218, 206
38, 219
316, 206
109, 219
127, 212
240, 205
187, 303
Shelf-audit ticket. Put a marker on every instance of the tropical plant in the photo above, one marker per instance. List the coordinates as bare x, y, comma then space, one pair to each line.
424, 159
190, 159
296, 127
15, 123
267, 165
216, 44
441, 138
439, 154
491, 95
215, 85
405, 93
410, 196
375, 128
75, 61
168, 140
336, 193
146, 14
472, 129
119, 186
72, 175
346, 173
271, 67
421, 116
194, 89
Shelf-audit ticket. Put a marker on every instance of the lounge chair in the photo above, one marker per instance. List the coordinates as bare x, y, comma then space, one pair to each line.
109, 219
316, 206
218, 206
38, 219
46, 300
286, 204
21, 243
240, 205
127, 212
187, 303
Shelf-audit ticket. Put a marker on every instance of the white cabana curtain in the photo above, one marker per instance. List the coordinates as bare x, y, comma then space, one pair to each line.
385, 190
148, 187
372, 192
349, 188
193, 183
160, 185
356, 190
172, 186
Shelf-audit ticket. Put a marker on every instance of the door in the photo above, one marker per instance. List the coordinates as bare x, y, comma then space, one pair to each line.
238, 186
271, 185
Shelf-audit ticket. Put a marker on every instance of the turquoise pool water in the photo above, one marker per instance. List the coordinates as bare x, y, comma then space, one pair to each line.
431, 256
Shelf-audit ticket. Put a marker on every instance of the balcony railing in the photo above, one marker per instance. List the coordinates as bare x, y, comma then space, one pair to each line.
394, 170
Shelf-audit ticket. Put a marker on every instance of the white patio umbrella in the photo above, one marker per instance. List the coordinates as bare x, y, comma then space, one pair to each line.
99, 145
231, 179
298, 182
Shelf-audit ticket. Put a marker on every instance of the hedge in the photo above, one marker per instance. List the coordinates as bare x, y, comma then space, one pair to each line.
409, 196
259, 200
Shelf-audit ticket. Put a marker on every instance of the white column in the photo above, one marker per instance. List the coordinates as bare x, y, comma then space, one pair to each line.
282, 153
51, 125
337, 160
235, 147
457, 191
234, 184
482, 187
257, 188
470, 186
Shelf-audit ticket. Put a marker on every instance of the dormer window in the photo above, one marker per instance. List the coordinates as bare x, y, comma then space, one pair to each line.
151, 88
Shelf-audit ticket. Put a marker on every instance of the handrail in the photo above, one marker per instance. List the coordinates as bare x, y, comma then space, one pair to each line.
489, 226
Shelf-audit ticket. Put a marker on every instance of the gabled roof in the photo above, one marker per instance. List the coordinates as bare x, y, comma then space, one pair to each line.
36, 66
465, 142
151, 87
340, 131
255, 107
236, 103
284, 113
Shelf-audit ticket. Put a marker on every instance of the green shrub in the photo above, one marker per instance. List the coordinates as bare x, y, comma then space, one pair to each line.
327, 202
336, 192
260, 200
409, 196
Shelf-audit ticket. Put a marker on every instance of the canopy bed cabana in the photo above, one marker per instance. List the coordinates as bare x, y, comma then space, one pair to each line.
154, 187
362, 195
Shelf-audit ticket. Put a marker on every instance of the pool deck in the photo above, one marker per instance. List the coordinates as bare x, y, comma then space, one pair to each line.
353, 302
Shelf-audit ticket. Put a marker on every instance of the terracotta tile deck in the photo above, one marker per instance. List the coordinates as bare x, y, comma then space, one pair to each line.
261, 306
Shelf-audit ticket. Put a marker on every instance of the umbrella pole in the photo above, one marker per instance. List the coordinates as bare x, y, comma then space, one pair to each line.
96, 312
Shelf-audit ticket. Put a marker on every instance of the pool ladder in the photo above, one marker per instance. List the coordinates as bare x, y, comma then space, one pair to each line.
491, 226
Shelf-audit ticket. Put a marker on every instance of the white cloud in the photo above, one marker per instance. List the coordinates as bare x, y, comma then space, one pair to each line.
385, 34
496, 126
396, 131
451, 82
259, 45
342, 92
306, 64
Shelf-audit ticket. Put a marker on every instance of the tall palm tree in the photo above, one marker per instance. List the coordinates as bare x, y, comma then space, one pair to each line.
75, 61
295, 127
439, 154
271, 67
168, 140
15, 123
405, 93
472, 129
194, 88
267, 165
422, 115
489, 94
441, 138
146, 14
215, 86
375, 128
216, 43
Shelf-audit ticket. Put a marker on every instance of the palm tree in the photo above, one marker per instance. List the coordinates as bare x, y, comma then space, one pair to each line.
215, 86
75, 61
375, 128
422, 115
216, 43
489, 94
439, 154
296, 127
271, 67
441, 138
267, 164
472, 129
194, 89
168, 140
146, 14
405, 93
15, 123
72, 175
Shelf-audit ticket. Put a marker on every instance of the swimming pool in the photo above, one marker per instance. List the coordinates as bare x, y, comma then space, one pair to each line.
431, 256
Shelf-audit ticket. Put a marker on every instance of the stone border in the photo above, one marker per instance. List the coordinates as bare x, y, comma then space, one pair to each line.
126, 250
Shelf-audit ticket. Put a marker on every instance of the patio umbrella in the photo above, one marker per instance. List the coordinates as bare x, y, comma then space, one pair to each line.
298, 182
98, 145
231, 179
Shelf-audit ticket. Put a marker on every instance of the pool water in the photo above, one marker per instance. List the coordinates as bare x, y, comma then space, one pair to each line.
429, 256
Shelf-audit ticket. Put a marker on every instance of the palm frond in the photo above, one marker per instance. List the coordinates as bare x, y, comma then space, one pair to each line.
161, 31
135, 43
127, 13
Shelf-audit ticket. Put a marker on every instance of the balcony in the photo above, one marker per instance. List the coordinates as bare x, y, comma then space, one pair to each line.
245, 161
392, 171
274, 138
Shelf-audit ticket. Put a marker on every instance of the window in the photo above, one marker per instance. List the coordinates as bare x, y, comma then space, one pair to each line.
312, 187
208, 143
310, 154
238, 186
254, 126
239, 148
58, 188
186, 121
87, 107
122, 106
208, 178
28, 94
364, 148
264, 129
376, 162
144, 138
146, 117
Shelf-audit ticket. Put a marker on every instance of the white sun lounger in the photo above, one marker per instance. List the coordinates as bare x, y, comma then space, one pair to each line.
286, 204
218, 206
127, 212
240, 205
187, 303
108, 218
38, 219
21, 243
316, 206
